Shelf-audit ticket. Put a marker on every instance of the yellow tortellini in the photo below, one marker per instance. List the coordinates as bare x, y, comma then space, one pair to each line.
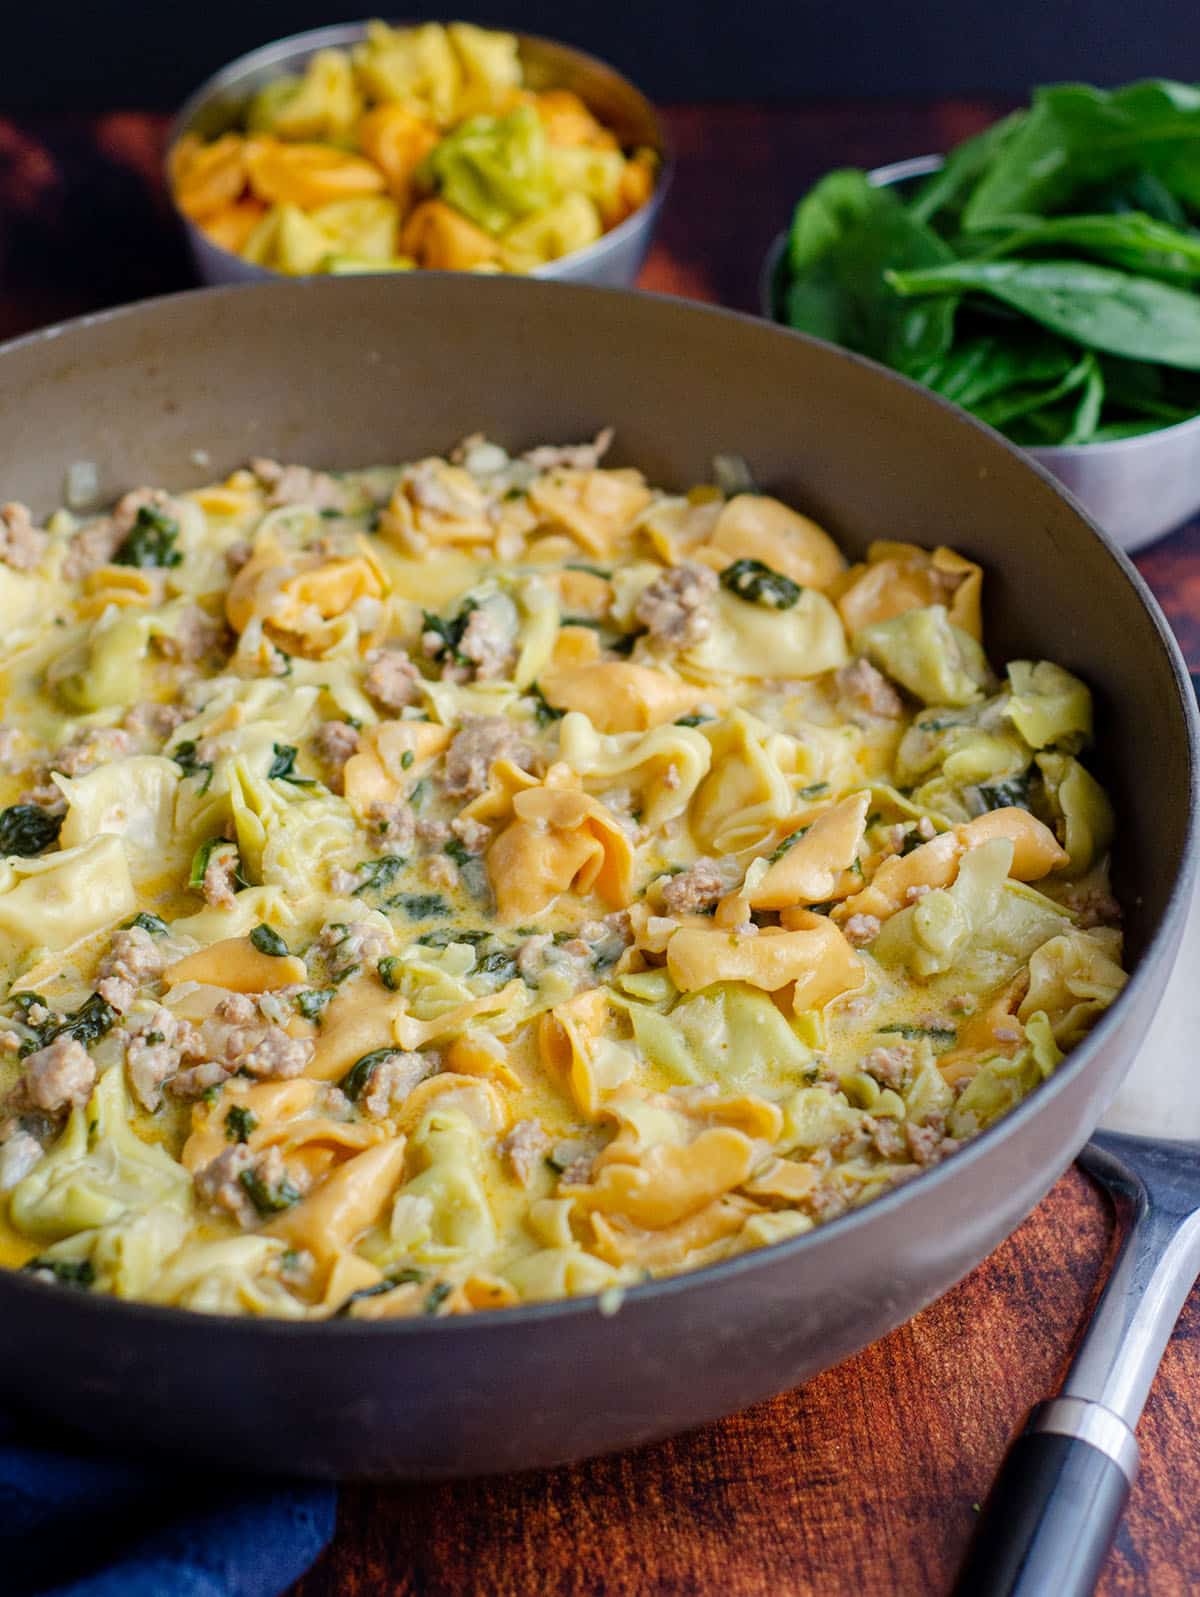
926, 653
98, 1171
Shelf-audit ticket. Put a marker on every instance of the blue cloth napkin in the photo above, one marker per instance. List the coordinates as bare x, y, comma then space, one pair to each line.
75, 1522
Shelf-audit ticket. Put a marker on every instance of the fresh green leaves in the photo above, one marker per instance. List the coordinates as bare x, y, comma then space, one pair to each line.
150, 541
1074, 138
844, 236
27, 829
1096, 306
1058, 257
758, 584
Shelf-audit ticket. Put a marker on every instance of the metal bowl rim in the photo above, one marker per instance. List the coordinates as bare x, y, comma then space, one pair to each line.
843, 1227
279, 52
905, 171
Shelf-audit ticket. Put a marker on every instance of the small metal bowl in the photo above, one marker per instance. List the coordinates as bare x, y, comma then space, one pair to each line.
613, 261
1136, 488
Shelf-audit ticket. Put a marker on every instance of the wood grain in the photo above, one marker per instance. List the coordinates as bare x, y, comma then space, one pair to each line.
866, 1480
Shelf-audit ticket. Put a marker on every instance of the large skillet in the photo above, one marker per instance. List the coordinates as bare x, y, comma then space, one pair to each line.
347, 373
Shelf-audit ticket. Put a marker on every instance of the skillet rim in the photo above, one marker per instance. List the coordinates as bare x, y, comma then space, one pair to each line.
85, 1304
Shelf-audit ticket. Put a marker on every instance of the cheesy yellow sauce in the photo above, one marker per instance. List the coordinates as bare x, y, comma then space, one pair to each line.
496, 878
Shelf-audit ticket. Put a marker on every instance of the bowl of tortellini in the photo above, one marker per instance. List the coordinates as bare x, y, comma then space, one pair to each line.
371, 147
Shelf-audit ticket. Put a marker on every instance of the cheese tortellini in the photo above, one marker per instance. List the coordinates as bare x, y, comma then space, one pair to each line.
431, 888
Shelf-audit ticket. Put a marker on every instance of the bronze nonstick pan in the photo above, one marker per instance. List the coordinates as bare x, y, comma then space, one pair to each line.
342, 373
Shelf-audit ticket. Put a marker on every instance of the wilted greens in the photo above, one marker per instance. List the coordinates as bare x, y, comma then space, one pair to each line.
1047, 278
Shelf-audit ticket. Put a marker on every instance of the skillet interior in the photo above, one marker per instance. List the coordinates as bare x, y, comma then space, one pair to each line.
344, 373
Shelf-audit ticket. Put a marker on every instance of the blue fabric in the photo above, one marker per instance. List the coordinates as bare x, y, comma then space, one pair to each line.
75, 1522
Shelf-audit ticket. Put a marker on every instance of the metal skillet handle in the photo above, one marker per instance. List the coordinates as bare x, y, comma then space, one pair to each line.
1052, 1514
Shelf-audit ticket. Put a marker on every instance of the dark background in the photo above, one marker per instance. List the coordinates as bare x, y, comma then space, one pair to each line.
111, 54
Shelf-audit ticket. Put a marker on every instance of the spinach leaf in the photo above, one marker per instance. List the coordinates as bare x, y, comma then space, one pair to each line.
1094, 305
947, 190
984, 365
239, 1123
356, 1080
184, 755
68, 1272
1007, 406
447, 635
266, 1199
1143, 191
202, 857
420, 906
942, 1034
283, 766
27, 829
1132, 240
268, 941
144, 921
150, 541
842, 241
788, 842
1006, 792
445, 935
311, 1004
407, 1276
544, 712
1074, 137
94, 1018
378, 874
759, 584
436, 1296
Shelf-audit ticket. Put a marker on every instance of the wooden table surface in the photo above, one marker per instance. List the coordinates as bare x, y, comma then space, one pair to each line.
865, 1481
